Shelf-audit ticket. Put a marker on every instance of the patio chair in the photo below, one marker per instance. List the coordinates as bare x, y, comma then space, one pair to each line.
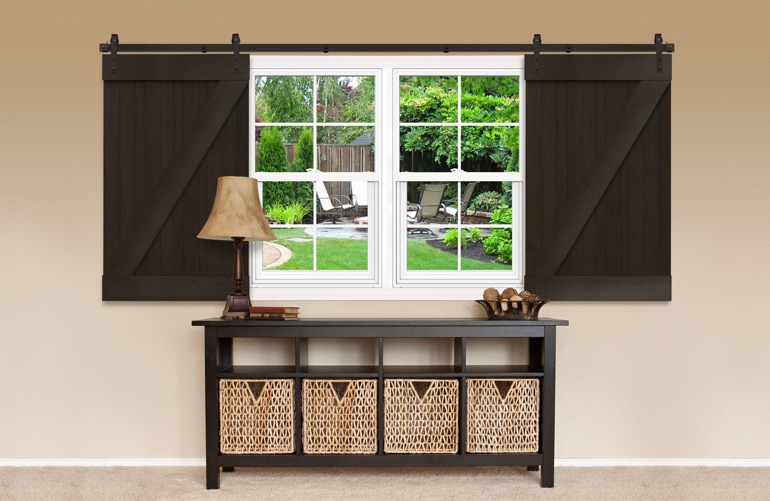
467, 195
426, 209
332, 207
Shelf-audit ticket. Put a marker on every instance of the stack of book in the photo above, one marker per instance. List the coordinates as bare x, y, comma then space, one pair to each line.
274, 312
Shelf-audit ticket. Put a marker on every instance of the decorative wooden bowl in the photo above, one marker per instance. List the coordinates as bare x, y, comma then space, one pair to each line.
507, 309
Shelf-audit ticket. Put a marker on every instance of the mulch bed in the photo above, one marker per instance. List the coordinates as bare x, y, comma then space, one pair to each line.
474, 250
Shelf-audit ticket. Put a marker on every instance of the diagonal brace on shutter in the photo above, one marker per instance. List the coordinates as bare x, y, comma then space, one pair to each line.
176, 176
555, 247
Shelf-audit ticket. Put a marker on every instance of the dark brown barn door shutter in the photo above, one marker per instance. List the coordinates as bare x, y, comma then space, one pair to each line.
598, 141
172, 125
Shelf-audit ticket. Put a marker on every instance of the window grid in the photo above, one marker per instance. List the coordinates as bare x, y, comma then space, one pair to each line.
416, 281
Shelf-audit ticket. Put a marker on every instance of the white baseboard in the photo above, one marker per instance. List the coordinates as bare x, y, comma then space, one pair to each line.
683, 462
102, 462
562, 463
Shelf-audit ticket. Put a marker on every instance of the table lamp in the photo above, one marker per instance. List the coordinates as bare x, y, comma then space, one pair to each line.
237, 215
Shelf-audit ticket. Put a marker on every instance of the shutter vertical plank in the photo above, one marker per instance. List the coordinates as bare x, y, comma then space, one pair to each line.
573, 117
534, 212
239, 163
140, 146
591, 139
636, 174
548, 165
127, 166
154, 157
664, 183
617, 99
563, 156
650, 230
111, 167
604, 132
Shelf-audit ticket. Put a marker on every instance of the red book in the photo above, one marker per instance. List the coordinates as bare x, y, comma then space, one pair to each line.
274, 309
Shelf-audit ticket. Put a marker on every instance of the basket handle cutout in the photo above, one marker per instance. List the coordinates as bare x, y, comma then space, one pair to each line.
503, 387
421, 388
340, 388
256, 388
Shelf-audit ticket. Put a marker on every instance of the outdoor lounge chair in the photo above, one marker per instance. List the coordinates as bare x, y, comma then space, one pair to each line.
332, 207
426, 209
467, 195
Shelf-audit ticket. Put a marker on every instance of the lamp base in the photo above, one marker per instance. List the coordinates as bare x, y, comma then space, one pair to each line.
237, 305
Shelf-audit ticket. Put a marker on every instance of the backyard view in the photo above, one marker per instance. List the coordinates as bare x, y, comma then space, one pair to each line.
447, 124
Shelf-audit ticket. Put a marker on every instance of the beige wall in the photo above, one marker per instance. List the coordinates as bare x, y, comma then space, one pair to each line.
80, 378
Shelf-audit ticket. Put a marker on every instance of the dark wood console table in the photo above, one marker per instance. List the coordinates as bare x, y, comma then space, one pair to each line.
541, 341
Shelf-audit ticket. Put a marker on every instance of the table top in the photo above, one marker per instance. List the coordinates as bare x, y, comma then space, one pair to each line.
380, 322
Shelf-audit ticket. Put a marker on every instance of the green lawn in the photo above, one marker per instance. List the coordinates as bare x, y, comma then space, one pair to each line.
349, 254
333, 253
423, 257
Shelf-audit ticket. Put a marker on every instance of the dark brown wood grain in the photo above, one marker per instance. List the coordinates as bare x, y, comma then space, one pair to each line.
166, 143
598, 184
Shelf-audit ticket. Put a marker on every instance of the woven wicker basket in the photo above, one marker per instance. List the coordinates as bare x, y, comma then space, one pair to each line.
503, 415
421, 416
339, 416
256, 416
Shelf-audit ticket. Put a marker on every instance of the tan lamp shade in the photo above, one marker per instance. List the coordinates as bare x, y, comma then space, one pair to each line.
237, 212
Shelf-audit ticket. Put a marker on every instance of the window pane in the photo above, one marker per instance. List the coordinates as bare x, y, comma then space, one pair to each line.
424, 202
342, 249
484, 249
428, 148
283, 99
428, 99
346, 149
492, 207
288, 203
342, 202
488, 99
284, 149
345, 99
490, 149
427, 251
291, 250
485, 200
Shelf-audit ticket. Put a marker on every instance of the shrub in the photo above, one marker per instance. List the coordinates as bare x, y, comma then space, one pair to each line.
469, 235
499, 243
292, 213
303, 161
272, 153
474, 235
272, 158
486, 202
450, 239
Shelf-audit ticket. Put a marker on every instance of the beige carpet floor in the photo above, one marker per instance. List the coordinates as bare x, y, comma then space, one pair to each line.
480, 483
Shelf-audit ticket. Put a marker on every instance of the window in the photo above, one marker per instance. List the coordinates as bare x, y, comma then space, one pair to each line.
388, 177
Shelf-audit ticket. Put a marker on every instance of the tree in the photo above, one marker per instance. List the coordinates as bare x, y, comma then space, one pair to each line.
485, 99
272, 158
303, 160
284, 99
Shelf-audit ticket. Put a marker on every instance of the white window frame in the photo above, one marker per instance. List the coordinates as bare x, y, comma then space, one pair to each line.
384, 281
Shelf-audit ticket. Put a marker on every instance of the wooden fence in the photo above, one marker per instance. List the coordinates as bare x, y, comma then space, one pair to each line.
339, 158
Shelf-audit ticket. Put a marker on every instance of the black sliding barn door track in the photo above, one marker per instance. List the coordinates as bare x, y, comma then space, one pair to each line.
236, 47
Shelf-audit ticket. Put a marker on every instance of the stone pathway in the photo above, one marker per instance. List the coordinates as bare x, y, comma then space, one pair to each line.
274, 254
